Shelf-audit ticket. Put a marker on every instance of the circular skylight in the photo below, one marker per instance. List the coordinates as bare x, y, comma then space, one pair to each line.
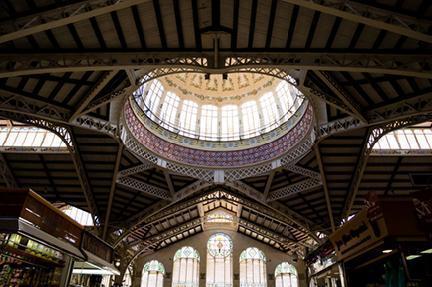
218, 108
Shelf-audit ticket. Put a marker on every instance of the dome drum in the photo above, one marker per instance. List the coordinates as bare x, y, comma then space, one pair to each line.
147, 133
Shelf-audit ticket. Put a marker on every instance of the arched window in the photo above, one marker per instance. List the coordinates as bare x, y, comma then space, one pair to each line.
152, 98
250, 119
219, 261
285, 275
253, 272
186, 268
230, 128
169, 111
152, 275
269, 111
209, 122
188, 118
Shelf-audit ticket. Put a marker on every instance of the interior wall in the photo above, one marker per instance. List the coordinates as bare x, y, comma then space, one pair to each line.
199, 242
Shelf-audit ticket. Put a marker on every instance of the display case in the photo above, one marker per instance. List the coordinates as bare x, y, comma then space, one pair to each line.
25, 262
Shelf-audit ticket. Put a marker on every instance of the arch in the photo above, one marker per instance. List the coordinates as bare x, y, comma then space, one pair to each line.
153, 274
253, 270
219, 261
285, 275
186, 267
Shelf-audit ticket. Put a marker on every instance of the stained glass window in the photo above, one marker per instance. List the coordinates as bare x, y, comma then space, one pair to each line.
285, 275
219, 261
253, 272
152, 275
186, 268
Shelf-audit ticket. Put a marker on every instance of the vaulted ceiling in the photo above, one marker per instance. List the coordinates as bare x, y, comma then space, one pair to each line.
66, 65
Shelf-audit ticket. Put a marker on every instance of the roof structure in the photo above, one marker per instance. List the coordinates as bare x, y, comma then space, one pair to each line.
70, 66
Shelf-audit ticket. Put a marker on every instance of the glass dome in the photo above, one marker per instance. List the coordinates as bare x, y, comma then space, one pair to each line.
241, 106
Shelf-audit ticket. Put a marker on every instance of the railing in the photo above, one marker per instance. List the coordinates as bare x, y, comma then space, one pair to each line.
193, 134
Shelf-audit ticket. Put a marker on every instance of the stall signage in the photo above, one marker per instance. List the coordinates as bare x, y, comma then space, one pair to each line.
359, 233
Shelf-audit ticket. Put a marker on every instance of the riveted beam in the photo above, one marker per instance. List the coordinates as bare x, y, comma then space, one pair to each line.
95, 90
413, 64
301, 186
112, 190
144, 187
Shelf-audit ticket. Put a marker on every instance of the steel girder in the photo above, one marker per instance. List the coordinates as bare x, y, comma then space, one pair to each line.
62, 16
135, 169
300, 186
412, 64
144, 187
373, 136
408, 26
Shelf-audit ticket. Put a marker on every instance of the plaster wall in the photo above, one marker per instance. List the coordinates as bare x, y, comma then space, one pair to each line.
199, 242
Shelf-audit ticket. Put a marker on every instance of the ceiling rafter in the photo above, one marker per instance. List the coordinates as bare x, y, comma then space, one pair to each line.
325, 187
409, 63
62, 16
291, 189
342, 94
144, 187
83, 178
404, 25
135, 169
372, 136
95, 90
112, 190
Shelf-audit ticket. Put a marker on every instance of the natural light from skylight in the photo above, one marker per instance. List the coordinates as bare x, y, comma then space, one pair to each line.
25, 136
216, 109
82, 217
406, 139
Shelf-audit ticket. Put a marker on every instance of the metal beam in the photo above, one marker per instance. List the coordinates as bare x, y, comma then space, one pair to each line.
95, 90
326, 191
410, 63
342, 94
83, 179
303, 171
112, 190
373, 137
135, 169
301, 186
144, 187
62, 16
269, 183
377, 18
169, 183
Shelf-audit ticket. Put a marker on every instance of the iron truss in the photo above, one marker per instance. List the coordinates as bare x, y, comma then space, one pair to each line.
413, 64
373, 136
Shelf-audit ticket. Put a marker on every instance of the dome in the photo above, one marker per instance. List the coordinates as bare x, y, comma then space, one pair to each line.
240, 106
192, 123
